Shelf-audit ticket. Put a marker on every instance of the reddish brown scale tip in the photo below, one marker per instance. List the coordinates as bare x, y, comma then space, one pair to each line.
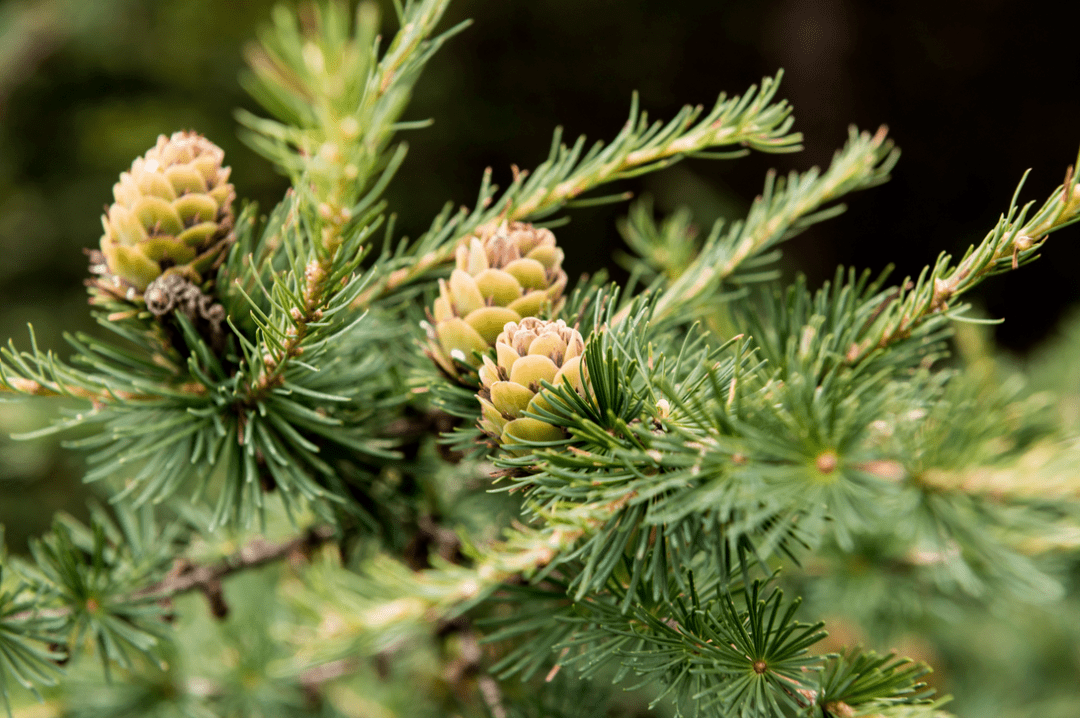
827, 461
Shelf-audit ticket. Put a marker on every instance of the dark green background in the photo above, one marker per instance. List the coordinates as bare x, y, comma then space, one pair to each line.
974, 94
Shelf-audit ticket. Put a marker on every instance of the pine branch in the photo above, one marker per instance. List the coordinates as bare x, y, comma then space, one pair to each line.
749, 121
255, 554
186, 577
679, 469
170, 419
1049, 470
338, 105
390, 595
81, 389
760, 458
31, 387
1015, 240
752, 120
748, 659
94, 574
37, 373
782, 211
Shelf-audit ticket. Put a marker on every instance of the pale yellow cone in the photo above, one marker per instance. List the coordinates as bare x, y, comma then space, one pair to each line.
505, 275
528, 353
173, 212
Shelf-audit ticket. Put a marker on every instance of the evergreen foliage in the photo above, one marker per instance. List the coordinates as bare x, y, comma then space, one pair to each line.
738, 459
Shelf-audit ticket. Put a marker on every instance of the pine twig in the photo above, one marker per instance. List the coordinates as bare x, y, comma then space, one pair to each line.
30, 387
751, 120
105, 395
338, 145
259, 552
186, 577
780, 212
1014, 240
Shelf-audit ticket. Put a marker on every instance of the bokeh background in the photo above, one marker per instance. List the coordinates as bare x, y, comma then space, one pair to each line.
974, 93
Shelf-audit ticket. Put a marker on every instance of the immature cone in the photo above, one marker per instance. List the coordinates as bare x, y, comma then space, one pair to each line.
527, 353
512, 273
173, 214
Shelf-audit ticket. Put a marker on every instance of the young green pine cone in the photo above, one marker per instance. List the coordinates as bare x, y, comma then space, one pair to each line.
512, 273
527, 353
173, 214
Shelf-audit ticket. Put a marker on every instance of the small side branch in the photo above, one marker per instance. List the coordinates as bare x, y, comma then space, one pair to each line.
207, 579
1015, 240
186, 577
753, 120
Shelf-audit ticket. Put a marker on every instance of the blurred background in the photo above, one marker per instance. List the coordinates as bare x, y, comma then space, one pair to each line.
974, 94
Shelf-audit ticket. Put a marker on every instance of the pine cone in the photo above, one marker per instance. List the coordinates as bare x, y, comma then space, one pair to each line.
173, 214
527, 353
512, 273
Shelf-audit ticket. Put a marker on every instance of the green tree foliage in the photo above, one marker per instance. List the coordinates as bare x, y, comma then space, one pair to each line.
734, 470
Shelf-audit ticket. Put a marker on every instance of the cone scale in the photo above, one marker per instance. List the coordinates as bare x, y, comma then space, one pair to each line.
172, 214
527, 353
510, 274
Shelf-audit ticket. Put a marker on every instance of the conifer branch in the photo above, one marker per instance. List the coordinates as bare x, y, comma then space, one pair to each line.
661, 478
1045, 471
37, 373
752, 120
404, 596
1015, 240
339, 105
257, 553
186, 577
749, 121
31, 387
780, 212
